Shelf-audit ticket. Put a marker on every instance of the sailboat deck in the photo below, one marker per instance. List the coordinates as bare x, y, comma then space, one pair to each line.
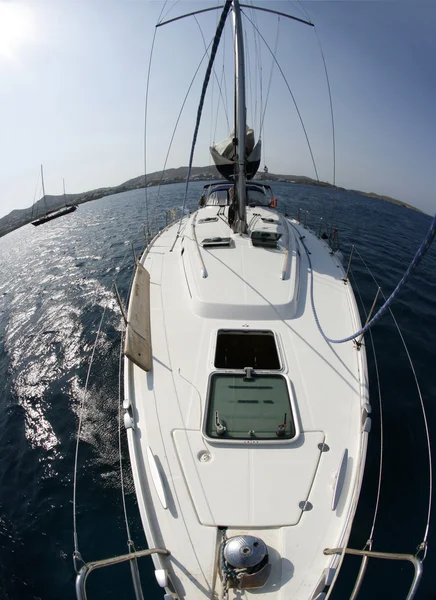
282, 488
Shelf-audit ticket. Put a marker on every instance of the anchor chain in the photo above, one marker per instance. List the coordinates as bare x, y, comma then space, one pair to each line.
229, 574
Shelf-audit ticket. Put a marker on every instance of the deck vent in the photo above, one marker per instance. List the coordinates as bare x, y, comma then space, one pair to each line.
269, 220
215, 241
208, 220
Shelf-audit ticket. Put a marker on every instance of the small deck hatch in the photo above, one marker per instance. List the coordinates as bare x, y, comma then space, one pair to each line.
239, 349
208, 220
267, 239
215, 241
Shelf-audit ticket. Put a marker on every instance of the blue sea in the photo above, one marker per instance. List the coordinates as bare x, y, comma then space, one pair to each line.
55, 285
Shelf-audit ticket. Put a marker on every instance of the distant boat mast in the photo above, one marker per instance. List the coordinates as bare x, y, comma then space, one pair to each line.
42, 181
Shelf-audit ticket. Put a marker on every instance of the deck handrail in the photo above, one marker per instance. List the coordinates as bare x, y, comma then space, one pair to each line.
285, 265
87, 568
203, 270
387, 556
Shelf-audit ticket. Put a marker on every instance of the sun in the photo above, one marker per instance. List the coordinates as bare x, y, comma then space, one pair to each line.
15, 26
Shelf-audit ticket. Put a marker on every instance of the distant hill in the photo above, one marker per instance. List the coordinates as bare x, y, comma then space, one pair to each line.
18, 218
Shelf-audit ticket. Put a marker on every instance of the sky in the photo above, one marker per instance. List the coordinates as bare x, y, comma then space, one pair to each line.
73, 77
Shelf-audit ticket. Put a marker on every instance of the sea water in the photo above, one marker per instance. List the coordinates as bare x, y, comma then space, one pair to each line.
55, 288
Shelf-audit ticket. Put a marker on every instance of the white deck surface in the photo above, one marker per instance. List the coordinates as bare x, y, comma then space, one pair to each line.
247, 487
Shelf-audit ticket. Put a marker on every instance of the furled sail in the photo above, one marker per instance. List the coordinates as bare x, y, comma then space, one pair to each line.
224, 155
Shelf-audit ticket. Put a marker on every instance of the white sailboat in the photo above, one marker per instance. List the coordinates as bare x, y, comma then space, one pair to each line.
247, 431
247, 428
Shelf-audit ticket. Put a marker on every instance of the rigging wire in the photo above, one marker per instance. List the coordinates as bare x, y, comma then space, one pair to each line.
290, 92
258, 79
147, 87
161, 16
260, 68
420, 253
211, 127
331, 111
213, 68
213, 83
224, 99
305, 12
270, 75
302, 9
256, 62
126, 520
175, 129
225, 80
216, 41
423, 545
268, 91
130, 544
332, 119
134, 569
247, 52
380, 472
76, 554
421, 551
211, 97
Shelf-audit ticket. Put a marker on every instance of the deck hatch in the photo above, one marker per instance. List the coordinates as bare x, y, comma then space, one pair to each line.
267, 239
215, 241
239, 349
208, 220
253, 407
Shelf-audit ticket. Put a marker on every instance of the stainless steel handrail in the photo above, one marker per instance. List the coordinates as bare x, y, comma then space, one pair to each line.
359, 578
388, 556
87, 568
197, 247
286, 253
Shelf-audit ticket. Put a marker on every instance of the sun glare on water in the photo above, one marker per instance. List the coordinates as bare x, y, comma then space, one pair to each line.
15, 27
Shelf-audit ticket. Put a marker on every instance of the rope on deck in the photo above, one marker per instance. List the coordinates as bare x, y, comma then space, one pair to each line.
422, 547
420, 253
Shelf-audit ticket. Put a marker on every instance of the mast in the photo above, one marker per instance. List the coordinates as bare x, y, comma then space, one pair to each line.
44, 201
42, 181
240, 117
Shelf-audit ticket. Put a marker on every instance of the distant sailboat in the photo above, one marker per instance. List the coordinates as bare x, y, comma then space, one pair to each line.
49, 215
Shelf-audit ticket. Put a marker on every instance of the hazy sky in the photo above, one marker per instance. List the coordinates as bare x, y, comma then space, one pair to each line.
73, 79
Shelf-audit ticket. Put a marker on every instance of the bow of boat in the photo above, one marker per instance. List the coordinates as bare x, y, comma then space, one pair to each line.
247, 423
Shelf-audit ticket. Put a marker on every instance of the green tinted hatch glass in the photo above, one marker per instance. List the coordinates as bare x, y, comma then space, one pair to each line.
257, 407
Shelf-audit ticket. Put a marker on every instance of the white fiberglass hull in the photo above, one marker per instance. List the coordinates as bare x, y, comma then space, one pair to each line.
298, 495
